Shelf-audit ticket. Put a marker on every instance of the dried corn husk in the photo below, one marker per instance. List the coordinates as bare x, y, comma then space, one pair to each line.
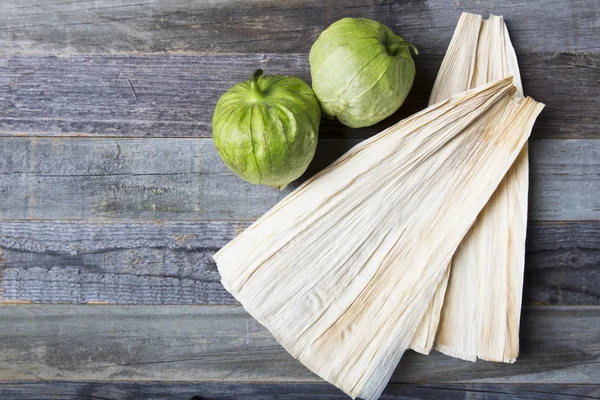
480, 314
343, 269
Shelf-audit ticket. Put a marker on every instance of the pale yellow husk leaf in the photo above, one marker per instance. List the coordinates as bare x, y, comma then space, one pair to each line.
482, 299
342, 270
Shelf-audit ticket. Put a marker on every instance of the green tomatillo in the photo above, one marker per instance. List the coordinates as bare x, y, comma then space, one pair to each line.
361, 71
266, 129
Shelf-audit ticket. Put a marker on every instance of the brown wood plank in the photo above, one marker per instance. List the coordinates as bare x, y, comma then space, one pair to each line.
170, 262
283, 391
174, 96
223, 343
68, 27
185, 179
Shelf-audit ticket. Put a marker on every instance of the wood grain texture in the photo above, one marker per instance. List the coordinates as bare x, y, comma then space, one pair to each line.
556, 253
170, 262
132, 209
223, 343
174, 96
126, 263
564, 183
282, 391
56, 26
185, 179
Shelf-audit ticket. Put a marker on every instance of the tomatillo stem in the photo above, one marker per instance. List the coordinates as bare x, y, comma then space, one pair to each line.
396, 46
254, 84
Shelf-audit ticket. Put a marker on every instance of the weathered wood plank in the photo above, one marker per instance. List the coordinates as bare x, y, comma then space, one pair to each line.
126, 263
563, 263
174, 96
185, 179
31, 26
564, 180
223, 343
170, 262
282, 391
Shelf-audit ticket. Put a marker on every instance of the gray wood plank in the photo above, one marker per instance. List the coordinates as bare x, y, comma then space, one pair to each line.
564, 183
559, 345
56, 26
282, 391
185, 179
562, 263
170, 262
125, 263
174, 96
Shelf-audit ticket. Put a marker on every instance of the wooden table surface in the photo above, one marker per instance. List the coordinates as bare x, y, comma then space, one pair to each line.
113, 197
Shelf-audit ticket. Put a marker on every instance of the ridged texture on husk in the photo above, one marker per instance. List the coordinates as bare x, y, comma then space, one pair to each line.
344, 268
482, 292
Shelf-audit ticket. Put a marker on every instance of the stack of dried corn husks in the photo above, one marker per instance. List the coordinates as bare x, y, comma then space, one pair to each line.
482, 302
358, 263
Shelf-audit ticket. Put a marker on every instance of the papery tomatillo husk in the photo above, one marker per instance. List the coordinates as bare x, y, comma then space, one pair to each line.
266, 128
361, 71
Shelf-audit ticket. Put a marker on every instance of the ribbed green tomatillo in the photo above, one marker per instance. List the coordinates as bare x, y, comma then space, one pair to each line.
266, 128
361, 71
